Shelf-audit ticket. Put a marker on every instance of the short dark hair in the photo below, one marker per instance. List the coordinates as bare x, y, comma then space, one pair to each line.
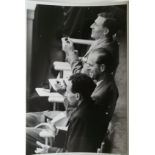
105, 57
110, 22
83, 84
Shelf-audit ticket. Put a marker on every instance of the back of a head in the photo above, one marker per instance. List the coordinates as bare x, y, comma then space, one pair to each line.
110, 23
104, 56
83, 84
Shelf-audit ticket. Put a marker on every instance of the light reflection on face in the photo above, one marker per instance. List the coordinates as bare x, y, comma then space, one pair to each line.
71, 97
93, 67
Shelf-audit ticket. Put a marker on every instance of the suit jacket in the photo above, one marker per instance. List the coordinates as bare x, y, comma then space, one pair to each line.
85, 130
105, 96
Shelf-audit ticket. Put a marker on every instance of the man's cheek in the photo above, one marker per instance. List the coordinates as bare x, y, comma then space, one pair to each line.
91, 74
71, 99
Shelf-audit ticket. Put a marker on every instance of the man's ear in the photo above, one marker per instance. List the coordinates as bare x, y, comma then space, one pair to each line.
106, 31
102, 67
78, 96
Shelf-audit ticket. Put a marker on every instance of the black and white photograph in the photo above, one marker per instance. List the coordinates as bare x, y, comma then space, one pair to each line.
76, 78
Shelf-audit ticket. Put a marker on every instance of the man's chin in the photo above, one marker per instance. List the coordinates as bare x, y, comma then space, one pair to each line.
92, 36
73, 105
91, 76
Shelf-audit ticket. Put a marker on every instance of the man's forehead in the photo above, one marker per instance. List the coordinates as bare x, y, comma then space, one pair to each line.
92, 57
100, 20
69, 85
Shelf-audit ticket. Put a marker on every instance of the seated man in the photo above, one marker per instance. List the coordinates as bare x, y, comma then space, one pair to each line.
84, 129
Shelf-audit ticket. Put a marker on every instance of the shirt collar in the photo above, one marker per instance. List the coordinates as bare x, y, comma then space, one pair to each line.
98, 83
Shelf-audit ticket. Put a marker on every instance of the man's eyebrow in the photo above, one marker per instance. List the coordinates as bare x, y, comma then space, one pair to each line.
95, 23
89, 64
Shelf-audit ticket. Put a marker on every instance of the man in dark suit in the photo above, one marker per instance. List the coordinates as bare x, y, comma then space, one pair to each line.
100, 66
85, 130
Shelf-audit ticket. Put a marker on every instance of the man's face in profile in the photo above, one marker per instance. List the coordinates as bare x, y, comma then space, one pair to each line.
93, 67
71, 97
97, 28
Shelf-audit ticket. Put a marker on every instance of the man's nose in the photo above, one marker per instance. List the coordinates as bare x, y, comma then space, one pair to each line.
87, 66
92, 26
65, 95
